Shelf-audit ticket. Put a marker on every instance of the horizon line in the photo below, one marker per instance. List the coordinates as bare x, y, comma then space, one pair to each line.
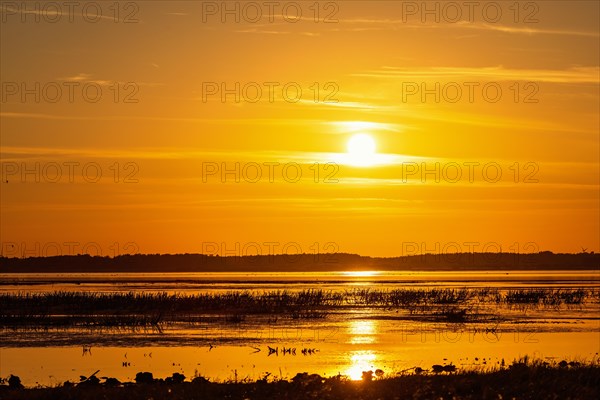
543, 252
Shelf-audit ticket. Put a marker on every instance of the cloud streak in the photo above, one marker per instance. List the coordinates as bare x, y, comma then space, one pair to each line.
571, 75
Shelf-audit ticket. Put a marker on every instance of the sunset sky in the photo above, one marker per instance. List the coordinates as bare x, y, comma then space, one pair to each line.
167, 144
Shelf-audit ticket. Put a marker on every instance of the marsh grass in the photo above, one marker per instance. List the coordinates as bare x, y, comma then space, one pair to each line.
547, 297
139, 309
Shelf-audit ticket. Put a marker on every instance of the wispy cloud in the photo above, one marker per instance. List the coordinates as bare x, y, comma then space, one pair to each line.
394, 24
526, 30
16, 153
80, 77
49, 14
570, 75
340, 104
88, 78
216, 121
345, 127
263, 31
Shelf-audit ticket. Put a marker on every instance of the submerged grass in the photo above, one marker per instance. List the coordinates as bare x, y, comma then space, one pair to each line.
151, 309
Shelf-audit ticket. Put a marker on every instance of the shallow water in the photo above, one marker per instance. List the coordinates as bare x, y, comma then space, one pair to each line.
347, 342
186, 282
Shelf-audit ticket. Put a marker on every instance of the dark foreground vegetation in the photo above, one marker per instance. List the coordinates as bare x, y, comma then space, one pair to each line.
300, 262
522, 380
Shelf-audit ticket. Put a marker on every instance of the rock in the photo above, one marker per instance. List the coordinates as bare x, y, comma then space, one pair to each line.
92, 380
450, 368
14, 382
144, 377
437, 368
112, 382
199, 380
305, 379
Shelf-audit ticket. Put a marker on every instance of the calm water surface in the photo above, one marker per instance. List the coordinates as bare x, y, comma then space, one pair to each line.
343, 343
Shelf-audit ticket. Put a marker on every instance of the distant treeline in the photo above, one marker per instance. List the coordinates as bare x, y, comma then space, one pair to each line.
300, 262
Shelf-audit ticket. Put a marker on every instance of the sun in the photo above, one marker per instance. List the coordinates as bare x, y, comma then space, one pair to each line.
361, 150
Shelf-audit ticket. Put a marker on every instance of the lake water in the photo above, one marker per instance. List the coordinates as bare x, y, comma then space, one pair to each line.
357, 339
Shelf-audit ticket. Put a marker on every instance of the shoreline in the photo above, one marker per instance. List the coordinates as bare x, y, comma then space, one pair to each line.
523, 379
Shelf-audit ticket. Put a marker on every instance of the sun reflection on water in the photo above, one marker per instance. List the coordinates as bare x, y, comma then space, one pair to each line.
362, 331
361, 274
362, 360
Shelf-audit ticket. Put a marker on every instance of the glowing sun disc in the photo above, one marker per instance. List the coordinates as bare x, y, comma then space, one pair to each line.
361, 149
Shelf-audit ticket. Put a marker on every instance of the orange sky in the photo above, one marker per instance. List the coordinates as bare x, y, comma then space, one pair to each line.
368, 61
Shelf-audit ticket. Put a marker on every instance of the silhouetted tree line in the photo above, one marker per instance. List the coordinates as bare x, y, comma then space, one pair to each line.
300, 262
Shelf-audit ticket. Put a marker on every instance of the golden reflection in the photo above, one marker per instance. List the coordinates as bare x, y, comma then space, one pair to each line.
362, 331
362, 360
361, 274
